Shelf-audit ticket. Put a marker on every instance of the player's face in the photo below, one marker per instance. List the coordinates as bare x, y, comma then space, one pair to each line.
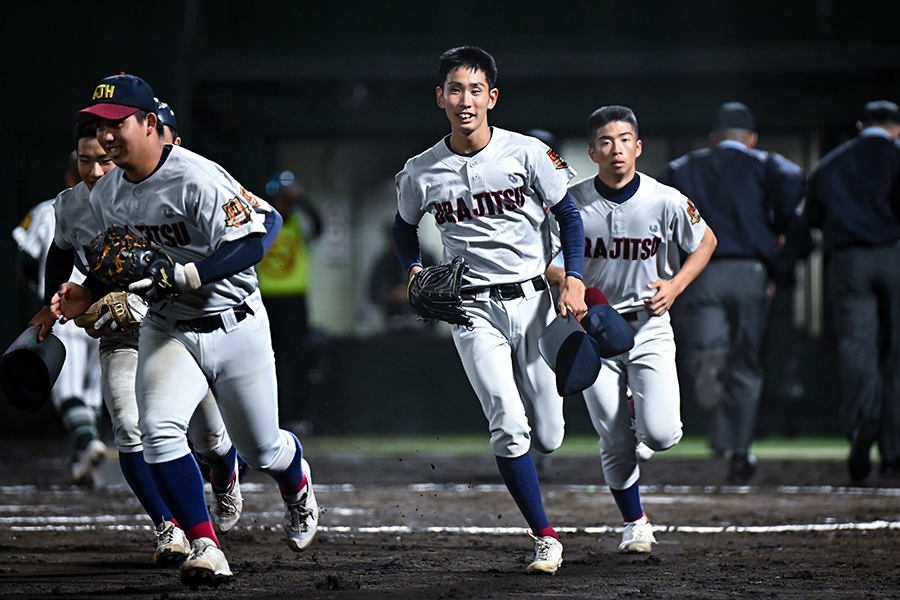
466, 98
615, 150
93, 161
129, 142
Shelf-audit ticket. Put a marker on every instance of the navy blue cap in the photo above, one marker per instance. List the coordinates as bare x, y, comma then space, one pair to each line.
572, 354
881, 111
602, 322
734, 115
166, 114
545, 136
120, 96
29, 368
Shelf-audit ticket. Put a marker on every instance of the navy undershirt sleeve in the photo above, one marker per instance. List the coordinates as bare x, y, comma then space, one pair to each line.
406, 243
571, 234
273, 224
57, 270
233, 257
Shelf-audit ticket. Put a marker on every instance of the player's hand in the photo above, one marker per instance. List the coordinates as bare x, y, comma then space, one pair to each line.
45, 319
571, 298
72, 300
164, 282
666, 292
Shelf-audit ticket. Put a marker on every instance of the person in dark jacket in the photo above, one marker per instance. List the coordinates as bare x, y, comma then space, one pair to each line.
854, 199
749, 197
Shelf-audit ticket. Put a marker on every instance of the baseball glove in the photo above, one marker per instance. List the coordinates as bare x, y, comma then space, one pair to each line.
434, 293
117, 313
120, 257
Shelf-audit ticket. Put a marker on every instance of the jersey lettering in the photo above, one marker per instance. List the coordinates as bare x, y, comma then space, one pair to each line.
622, 248
482, 205
168, 234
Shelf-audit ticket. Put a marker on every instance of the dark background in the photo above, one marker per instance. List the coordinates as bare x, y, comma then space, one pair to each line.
247, 78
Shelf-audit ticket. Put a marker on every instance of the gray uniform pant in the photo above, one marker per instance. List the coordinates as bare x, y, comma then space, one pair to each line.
865, 295
720, 322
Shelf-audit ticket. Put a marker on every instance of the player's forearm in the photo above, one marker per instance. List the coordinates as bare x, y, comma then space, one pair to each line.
555, 275
406, 243
57, 269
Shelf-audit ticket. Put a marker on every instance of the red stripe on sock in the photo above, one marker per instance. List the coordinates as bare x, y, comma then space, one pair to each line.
200, 530
547, 532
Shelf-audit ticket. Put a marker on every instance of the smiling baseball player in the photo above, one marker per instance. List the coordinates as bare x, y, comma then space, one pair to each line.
488, 190
633, 228
206, 328
76, 225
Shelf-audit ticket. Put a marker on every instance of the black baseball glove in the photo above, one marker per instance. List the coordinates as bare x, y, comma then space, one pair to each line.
126, 260
434, 293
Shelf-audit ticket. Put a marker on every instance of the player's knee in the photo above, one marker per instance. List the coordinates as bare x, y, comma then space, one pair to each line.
662, 440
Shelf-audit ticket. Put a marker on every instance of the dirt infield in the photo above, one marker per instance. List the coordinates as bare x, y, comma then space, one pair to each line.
437, 527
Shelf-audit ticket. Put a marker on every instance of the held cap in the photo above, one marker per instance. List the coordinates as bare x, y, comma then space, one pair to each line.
605, 325
571, 353
29, 368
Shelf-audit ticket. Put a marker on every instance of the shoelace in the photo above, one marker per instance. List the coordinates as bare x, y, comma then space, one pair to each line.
225, 502
544, 548
299, 514
166, 535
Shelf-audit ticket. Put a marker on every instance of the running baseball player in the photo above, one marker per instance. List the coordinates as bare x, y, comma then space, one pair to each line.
76, 226
206, 327
76, 394
633, 229
487, 189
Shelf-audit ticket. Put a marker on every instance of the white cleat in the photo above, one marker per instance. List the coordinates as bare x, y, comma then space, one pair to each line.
301, 519
637, 537
85, 462
205, 565
547, 555
227, 510
171, 545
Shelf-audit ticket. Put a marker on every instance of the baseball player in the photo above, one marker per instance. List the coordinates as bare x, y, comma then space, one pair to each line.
75, 226
76, 394
206, 327
488, 190
633, 229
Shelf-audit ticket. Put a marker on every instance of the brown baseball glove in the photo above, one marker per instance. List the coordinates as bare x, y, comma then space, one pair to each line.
117, 313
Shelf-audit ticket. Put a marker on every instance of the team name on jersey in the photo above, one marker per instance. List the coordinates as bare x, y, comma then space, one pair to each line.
480, 205
168, 234
622, 248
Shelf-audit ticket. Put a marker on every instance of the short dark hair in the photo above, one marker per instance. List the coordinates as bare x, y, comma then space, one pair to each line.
472, 57
607, 114
84, 129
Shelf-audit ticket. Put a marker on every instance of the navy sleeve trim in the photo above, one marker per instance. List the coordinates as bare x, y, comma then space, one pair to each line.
571, 233
406, 243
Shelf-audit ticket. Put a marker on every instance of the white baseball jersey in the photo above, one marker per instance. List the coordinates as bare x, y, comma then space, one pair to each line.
491, 207
190, 206
633, 244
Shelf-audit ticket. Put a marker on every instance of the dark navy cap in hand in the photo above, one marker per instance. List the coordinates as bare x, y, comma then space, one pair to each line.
605, 325
572, 354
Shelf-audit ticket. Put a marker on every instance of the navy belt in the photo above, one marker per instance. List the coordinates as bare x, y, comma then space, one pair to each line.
214, 322
505, 291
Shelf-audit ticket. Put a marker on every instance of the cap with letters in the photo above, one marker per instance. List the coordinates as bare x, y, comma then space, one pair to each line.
120, 96
166, 114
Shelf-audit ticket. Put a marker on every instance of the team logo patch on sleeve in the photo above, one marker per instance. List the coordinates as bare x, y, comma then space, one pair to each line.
558, 161
236, 213
693, 213
250, 197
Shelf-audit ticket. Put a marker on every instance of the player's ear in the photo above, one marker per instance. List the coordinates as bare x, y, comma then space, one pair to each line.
440, 96
638, 146
492, 98
151, 122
